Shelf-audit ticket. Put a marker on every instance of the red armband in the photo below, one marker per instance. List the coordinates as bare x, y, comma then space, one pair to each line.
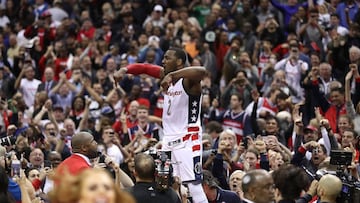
141, 68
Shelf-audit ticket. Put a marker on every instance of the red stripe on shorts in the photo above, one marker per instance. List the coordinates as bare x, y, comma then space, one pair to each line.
196, 148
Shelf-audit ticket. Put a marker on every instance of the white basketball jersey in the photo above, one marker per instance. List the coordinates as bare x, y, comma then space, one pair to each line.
181, 112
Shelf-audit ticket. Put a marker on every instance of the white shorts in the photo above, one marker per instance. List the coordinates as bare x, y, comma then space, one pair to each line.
186, 155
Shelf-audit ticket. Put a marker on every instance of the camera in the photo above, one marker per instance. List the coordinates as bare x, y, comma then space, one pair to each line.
350, 192
163, 172
340, 158
7, 141
245, 139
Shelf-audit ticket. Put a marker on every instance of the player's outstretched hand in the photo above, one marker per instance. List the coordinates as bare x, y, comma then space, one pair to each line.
119, 75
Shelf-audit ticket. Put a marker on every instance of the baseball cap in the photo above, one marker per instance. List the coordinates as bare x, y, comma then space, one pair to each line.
106, 110
209, 179
45, 14
158, 8
310, 127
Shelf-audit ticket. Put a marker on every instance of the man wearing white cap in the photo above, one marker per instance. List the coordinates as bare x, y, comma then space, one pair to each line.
156, 18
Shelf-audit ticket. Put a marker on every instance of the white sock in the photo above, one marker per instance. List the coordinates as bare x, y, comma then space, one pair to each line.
197, 193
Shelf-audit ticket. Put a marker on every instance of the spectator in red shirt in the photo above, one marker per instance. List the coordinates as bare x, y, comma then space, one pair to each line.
87, 31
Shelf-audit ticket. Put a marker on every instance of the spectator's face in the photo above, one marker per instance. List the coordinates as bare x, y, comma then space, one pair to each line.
150, 56
69, 127
271, 126
36, 157
266, 45
224, 37
354, 56
78, 104
34, 174
310, 135
343, 123
325, 71
87, 24
108, 135
251, 159
334, 20
235, 103
98, 88
55, 159
110, 65
59, 115
276, 161
21, 143
294, 52
49, 74
76, 75
86, 62
336, 98
64, 90
143, 40
133, 108
142, 114
229, 140
29, 73
318, 157
235, 181
135, 91
315, 61
347, 138
50, 130
264, 4
97, 187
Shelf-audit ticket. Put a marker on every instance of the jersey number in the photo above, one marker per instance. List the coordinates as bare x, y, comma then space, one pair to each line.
168, 110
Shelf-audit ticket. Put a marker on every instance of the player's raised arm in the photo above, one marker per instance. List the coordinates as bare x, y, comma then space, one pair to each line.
140, 68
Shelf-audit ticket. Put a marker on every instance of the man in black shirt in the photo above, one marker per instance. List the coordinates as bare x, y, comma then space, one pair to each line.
145, 188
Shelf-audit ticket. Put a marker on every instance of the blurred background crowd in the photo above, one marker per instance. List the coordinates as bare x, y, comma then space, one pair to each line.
281, 90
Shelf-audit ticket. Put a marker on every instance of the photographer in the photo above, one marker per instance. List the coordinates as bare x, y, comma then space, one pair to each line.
318, 155
329, 188
144, 189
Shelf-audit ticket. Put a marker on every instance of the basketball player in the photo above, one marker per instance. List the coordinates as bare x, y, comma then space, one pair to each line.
181, 114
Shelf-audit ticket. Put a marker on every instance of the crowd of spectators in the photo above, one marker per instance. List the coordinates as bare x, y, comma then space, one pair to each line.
282, 87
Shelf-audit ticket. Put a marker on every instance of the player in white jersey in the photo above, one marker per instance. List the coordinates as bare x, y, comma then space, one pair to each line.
181, 114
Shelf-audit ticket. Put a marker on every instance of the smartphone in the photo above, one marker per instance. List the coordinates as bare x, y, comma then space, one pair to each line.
245, 141
15, 167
